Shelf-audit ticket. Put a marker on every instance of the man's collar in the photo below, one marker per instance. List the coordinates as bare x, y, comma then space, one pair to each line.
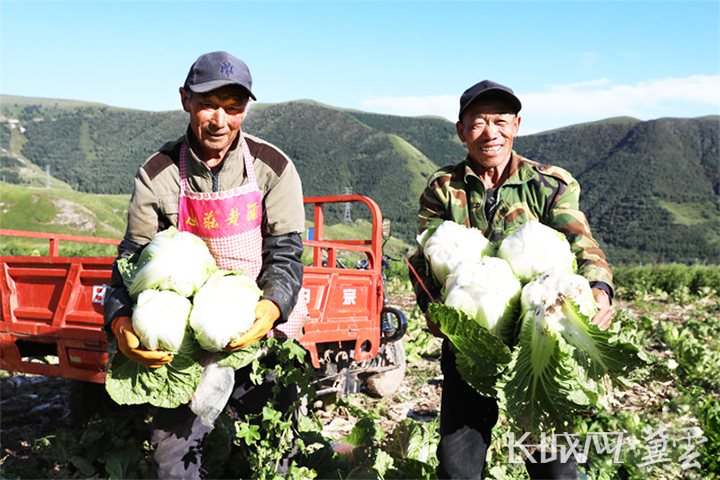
514, 166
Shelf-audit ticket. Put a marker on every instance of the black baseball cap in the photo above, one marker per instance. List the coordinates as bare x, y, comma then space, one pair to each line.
218, 69
488, 88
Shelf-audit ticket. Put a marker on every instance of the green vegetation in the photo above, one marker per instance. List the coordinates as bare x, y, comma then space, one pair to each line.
689, 213
333, 151
670, 425
97, 150
676, 281
61, 211
418, 165
436, 138
650, 189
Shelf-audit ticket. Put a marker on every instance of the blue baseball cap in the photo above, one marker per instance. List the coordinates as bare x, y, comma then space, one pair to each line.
218, 69
488, 88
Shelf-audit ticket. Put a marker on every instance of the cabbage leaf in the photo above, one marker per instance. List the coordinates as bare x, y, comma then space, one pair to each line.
481, 356
168, 386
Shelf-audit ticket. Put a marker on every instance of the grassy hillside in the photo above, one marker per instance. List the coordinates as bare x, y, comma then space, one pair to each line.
436, 138
54, 210
333, 151
650, 189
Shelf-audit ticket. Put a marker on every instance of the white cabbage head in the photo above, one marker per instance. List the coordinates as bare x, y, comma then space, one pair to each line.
534, 249
160, 319
451, 243
224, 309
173, 260
553, 297
486, 290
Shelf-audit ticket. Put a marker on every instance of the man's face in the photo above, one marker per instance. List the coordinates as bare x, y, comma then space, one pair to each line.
215, 119
488, 129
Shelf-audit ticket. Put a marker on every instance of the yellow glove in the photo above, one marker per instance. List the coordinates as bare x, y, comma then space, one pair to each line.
129, 344
266, 313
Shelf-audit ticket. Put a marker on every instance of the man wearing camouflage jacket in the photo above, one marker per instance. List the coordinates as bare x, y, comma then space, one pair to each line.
495, 190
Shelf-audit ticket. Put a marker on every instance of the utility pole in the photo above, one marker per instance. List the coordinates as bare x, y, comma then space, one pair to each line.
348, 206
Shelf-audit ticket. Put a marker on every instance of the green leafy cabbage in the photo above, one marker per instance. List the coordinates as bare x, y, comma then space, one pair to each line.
173, 260
534, 248
526, 337
160, 319
224, 309
562, 363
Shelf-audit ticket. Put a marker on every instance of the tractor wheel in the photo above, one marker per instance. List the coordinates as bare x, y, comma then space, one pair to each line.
386, 383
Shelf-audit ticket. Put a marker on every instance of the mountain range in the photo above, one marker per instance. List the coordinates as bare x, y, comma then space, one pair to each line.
650, 189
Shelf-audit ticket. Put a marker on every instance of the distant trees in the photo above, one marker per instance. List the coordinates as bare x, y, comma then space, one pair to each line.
119, 141
625, 170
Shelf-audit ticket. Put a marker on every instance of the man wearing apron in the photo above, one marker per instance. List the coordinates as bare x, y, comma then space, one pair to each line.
243, 197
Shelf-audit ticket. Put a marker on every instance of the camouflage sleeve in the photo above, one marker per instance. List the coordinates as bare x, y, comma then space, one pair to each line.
567, 218
431, 212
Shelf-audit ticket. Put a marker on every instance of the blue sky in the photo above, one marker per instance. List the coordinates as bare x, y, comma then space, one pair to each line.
568, 61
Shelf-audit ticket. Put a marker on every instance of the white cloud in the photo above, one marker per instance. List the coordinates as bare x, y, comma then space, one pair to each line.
601, 100
564, 105
593, 100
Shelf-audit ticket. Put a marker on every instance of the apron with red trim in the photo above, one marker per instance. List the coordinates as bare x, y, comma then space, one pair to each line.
230, 223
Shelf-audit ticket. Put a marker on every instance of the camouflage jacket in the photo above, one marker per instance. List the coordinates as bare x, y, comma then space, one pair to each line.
532, 192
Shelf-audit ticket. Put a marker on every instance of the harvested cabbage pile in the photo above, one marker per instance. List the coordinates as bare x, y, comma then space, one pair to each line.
186, 305
519, 323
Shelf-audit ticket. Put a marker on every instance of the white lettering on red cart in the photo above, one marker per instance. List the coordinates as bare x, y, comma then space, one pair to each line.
349, 296
98, 295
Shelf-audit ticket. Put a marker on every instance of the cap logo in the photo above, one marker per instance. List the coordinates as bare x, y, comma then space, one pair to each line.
226, 68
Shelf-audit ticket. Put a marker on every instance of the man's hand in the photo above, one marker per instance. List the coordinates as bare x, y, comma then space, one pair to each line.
433, 327
266, 313
605, 313
129, 344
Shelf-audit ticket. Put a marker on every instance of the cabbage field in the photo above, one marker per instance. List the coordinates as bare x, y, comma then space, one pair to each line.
664, 424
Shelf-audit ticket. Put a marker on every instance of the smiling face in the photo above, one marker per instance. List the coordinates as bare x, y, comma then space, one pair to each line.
488, 129
215, 120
